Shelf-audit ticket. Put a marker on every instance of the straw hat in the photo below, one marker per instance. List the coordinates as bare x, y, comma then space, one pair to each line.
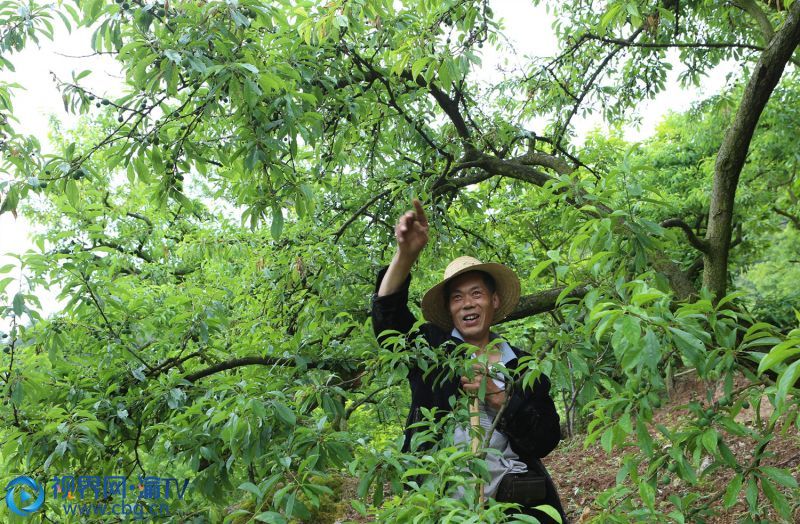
436, 309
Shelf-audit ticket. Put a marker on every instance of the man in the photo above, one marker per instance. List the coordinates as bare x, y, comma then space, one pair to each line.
461, 309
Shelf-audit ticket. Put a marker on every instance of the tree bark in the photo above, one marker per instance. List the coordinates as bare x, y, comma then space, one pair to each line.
542, 302
733, 151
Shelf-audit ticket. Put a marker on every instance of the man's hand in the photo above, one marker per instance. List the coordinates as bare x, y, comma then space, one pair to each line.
495, 397
411, 231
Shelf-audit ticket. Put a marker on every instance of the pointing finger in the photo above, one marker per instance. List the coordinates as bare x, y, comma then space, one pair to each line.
423, 220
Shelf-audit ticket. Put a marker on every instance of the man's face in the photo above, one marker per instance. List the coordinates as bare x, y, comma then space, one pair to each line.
472, 305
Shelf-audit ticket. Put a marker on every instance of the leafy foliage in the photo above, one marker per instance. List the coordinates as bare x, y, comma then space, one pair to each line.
238, 353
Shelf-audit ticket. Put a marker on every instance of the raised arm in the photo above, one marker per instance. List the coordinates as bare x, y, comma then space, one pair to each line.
390, 302
411, 233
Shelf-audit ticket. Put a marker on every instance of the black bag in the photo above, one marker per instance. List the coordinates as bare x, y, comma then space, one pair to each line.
526, 489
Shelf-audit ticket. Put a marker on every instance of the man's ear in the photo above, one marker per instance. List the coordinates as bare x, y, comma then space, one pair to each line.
495, 300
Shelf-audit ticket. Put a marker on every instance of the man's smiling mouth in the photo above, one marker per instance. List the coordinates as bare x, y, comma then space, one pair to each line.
470, 318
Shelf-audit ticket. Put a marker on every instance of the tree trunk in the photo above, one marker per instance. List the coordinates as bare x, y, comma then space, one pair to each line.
733, 151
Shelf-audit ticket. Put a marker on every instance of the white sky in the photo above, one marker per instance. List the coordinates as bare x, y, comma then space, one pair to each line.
527, 28
33, 106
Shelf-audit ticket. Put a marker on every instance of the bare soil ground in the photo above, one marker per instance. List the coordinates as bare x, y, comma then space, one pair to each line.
581, 474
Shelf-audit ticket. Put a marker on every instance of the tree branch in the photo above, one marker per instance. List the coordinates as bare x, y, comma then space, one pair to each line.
364, 400
751, 8
140, 217
699, 244
794, 218
449, 106
667, 45
536, 158
109, 325
336, 365
249, 361
511, 168
591, 82
358, 212
542, 302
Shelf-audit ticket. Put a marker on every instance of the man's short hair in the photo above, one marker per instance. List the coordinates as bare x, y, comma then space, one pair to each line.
488, 281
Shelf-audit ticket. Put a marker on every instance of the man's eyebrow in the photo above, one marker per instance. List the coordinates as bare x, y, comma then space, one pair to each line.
459, 290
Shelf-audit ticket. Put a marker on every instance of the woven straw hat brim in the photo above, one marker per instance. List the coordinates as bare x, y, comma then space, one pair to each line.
436, 310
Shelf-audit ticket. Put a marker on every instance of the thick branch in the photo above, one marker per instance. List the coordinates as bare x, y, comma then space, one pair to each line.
699, 244
335, 365
140, 217
494, 166
512, 168
450, 107
542, 302
558, 165
751, 8
490, 166
249, 361
695, 268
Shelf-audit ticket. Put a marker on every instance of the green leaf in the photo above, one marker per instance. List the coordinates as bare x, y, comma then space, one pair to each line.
778, 354
640, 299
277, 222
19, 304
540, 267
550, 511
777, 498
11, 201
249, 67
412, 472
751, 493
690, 346
71, 190
285, 414
732, 491
709, 440
359, 507
781, 476
418, 65
566, 291
173, 55
363, 484
788, 379
271, 517
726, 454
5, 282
647, 494
251, 488
607, 440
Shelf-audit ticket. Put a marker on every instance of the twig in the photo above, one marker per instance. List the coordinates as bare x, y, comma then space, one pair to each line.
358, 212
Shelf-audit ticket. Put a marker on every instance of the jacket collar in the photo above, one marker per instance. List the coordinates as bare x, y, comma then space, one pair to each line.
506, 353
